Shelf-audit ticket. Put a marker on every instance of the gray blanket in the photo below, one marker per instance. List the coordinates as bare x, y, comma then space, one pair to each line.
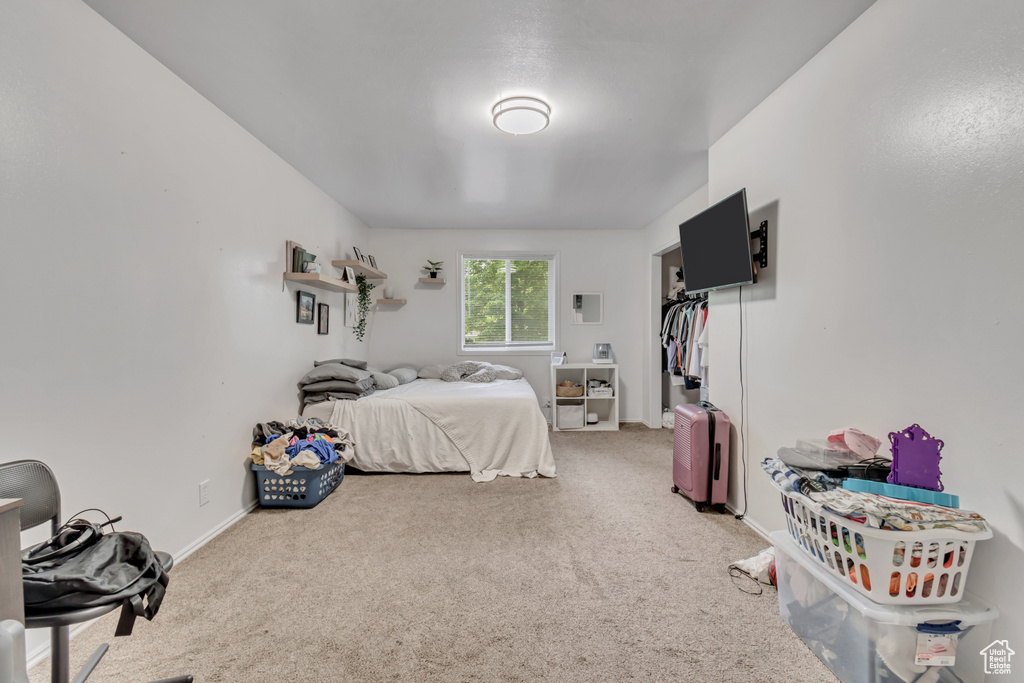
470, 371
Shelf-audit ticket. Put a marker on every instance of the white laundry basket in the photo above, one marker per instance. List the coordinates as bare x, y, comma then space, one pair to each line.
890, 567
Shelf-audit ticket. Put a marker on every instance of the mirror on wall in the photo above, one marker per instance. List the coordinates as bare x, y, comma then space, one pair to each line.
587, 308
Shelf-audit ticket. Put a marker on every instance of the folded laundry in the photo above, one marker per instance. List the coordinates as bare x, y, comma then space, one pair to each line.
869, 509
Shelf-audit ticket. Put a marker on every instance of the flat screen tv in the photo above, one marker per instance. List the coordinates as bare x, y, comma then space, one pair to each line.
716, 246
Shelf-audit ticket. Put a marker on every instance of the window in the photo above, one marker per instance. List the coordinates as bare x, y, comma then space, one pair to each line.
508, 302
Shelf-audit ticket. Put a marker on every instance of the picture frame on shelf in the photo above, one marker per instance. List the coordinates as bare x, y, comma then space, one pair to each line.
350, 274
351, 304
359, 254
323, 313
373, 262
305, 304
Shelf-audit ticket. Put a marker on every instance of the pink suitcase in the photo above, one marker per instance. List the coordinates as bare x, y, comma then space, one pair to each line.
700, 455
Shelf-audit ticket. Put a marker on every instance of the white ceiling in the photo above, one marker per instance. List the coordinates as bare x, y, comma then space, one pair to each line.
385, 104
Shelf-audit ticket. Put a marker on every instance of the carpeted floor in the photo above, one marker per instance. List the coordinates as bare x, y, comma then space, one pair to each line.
598, 575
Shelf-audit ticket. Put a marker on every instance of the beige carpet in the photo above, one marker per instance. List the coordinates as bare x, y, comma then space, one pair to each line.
598, 575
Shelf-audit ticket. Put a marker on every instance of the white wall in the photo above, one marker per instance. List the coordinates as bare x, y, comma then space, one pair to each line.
891, 168
145, 325
425, 330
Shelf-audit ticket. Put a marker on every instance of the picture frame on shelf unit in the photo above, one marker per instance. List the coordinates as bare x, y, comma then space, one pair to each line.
323, 313
373, 261
304, 306
350, 274
358, 254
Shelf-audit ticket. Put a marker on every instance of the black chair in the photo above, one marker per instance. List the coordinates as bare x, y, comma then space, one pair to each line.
34, 483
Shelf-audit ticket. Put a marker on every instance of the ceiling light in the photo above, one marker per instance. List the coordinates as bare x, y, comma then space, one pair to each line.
521, 115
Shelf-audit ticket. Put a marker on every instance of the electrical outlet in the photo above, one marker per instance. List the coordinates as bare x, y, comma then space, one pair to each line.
547, 403
204, 492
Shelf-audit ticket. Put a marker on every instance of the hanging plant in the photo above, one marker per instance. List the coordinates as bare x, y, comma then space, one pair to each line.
364, 305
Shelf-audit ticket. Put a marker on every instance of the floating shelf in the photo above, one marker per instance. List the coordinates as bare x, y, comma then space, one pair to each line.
432, 280
391, 301
321, 281
370, 272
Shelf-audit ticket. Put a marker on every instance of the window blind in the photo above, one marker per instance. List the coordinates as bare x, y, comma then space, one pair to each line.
508, 302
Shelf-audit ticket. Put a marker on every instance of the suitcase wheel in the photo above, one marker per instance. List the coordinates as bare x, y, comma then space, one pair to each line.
675, 489
699, 506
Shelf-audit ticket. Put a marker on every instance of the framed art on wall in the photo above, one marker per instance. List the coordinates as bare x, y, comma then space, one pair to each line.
304, 308
351, 304
323, 311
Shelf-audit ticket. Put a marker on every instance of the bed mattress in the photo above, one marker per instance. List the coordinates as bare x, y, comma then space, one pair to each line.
489, 429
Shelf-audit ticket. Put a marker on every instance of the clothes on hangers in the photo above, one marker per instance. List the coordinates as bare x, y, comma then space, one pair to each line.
684, 321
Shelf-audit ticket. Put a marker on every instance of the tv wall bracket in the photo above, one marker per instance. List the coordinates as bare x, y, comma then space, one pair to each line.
760, 257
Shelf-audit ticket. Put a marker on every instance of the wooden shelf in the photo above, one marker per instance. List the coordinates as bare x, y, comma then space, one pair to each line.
321, 281
370, 272
432, 280
398, 302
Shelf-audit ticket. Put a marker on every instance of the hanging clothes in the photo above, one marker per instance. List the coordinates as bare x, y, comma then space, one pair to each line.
683, 322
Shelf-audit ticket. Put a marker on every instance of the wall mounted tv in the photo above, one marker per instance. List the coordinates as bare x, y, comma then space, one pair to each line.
716, 246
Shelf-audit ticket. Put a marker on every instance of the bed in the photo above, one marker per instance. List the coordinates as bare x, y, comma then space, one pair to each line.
429, 425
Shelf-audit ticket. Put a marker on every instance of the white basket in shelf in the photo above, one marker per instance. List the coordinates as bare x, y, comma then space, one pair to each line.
927, 567
600, 392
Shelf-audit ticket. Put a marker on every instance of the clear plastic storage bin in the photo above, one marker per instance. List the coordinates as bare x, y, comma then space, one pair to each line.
864, 642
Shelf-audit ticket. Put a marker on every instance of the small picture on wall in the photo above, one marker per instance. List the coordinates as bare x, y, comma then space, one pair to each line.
373, 261
304, 308
323, 312
359, 254
350, 274
351, 303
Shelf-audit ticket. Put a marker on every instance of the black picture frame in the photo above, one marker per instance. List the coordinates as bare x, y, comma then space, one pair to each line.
373, 261
323, 318
359, 254
305, 306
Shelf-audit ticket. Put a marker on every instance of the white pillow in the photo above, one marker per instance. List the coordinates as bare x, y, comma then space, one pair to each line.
404, 375
431, 371
385, 380
506, 372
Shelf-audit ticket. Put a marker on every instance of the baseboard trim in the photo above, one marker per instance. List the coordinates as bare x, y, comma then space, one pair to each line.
43, 652
213, 533
760, 530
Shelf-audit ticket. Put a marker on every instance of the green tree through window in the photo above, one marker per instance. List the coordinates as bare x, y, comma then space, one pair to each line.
507, 302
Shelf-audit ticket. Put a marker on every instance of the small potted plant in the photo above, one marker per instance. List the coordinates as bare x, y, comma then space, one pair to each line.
433, 267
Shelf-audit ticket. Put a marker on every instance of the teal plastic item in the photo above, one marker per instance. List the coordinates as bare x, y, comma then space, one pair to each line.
902, 492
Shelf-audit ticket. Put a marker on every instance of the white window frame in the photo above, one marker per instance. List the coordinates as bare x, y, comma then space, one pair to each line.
553, 288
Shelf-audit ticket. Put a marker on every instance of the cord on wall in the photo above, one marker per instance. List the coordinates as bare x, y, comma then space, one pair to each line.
743, 410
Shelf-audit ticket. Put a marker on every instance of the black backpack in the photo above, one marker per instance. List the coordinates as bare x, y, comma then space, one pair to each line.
95, 569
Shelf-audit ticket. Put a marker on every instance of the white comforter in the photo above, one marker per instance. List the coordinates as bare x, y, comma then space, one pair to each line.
434, 426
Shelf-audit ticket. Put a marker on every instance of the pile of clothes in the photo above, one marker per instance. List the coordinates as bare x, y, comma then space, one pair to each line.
879, 512
336, 379
302, 442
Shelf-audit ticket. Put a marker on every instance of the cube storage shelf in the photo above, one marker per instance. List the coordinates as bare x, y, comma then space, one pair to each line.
566, 410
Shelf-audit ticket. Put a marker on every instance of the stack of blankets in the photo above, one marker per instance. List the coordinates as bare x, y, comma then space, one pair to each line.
336, 379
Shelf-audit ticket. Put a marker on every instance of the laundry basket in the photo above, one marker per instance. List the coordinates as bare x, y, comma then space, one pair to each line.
303, 488
926, 567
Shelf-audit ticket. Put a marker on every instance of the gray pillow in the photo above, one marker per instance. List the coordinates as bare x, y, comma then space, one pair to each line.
431, 371
385, 381
339, 385
506, 372
404, 375
333, 371
361, 364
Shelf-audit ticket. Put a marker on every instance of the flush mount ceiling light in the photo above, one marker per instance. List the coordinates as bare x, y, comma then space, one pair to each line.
521, 115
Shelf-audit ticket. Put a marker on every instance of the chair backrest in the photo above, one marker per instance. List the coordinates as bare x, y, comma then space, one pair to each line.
34, 483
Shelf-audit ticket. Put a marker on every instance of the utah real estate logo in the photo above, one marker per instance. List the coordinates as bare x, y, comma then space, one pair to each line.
997, 657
